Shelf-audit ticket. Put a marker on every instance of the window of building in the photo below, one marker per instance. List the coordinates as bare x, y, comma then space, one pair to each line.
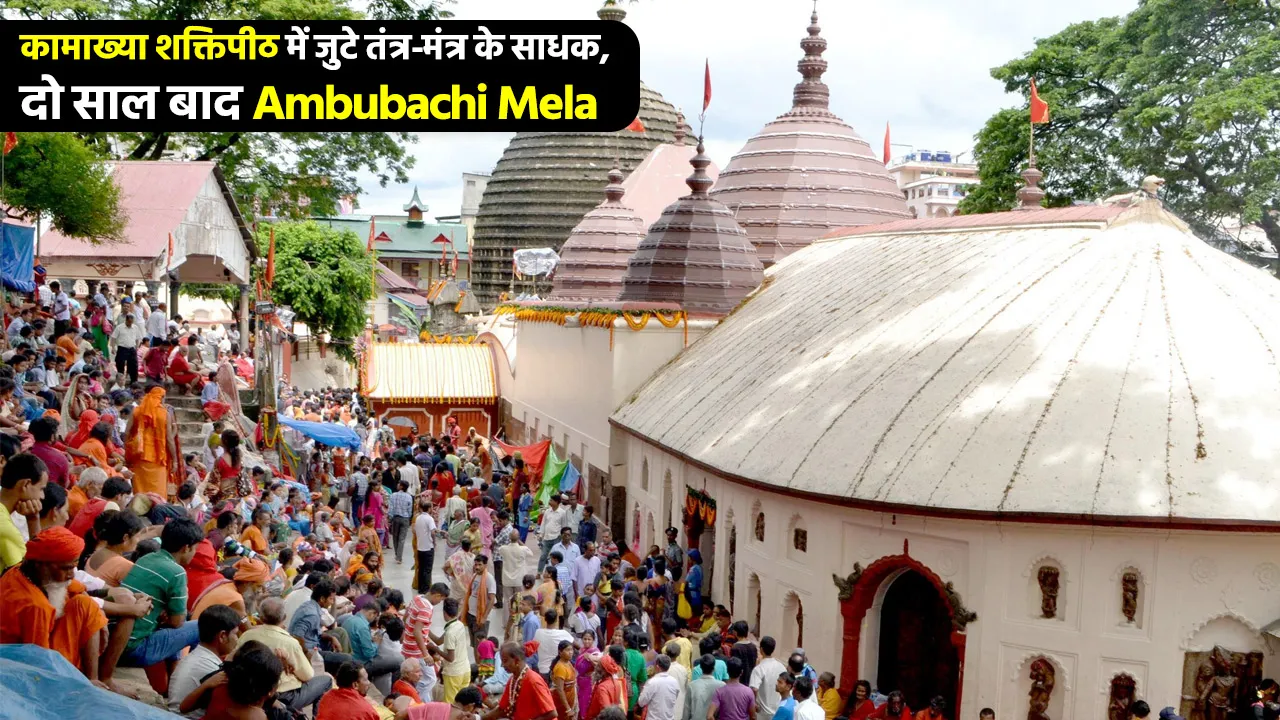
409, 271
471, 183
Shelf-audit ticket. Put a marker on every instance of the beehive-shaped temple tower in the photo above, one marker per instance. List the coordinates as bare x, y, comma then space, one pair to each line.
546, 181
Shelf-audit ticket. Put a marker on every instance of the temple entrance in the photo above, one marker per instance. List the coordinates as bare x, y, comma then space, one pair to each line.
916, 653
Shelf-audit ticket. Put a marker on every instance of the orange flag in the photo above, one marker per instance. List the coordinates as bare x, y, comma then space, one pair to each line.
10, 142
636, 125
371, 234
169, 261
1039, 108
886, 143
271, 259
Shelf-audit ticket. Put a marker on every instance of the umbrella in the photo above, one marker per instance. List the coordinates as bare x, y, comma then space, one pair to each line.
402, 422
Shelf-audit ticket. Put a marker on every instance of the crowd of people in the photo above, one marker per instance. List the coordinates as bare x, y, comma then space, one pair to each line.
244, 588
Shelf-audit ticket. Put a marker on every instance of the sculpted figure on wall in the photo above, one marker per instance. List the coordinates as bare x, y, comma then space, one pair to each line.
1048, 578
1042, 679
1129, 595
1218, 685
1122, 696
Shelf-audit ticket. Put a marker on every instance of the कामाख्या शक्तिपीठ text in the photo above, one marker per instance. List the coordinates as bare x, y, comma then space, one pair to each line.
527, 102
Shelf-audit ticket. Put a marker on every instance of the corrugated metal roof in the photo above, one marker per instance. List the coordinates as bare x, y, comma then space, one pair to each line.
417, 301
155, 196
393, 282
430, 372
1123, 370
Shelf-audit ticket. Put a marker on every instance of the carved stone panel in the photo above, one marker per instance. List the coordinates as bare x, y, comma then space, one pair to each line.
1048, 577
1218, 685
1129, 595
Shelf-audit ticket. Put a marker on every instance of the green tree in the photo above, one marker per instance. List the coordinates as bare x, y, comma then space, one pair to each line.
294, 174
1183, 89
58, 176
326, 277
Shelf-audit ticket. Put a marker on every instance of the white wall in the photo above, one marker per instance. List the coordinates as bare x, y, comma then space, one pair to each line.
1198, 588
569, 380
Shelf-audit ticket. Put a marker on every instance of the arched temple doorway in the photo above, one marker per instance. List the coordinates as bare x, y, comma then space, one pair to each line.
916, 655
903, 630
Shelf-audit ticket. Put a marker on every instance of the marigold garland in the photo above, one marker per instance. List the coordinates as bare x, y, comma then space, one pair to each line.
603, 318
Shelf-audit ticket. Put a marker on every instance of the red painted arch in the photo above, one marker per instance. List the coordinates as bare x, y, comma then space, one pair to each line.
854, 610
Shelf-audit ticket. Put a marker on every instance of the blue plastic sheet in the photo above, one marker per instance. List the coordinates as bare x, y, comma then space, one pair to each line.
17, 257
331, 434
39, 684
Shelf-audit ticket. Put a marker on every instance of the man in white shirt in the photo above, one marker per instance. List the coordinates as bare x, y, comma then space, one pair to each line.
219, 633
61, 309
298, 597
807, 707
585, 568
410, 474
126, 337
660, 692
424, 542
680, 673
567, 547
763, 680
554, 518
158, 323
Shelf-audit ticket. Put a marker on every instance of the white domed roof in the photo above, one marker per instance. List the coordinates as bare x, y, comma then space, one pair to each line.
1079, 363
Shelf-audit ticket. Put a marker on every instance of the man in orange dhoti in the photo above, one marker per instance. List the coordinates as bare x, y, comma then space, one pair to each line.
46, 606
149, 444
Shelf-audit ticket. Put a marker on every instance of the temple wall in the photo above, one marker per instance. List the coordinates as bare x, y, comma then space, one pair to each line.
1196, 588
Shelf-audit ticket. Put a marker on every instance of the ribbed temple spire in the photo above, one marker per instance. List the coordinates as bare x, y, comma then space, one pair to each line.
811, 92
699, 182
613, 192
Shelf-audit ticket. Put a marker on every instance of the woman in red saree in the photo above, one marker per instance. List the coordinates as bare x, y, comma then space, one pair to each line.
149, 445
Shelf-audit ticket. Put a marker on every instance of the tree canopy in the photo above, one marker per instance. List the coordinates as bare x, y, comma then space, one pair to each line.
56, 175
323, 274
292, 174
1183, 89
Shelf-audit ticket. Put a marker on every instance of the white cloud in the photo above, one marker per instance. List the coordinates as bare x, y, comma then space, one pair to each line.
924, 66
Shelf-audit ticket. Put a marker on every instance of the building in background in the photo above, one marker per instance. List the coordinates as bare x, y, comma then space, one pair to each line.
933, 183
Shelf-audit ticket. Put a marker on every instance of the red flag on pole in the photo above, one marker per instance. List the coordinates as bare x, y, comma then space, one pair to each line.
271, 259
169, 261
454, 264
372, 234
636, 125
1039, 108
886, 143
10, 142
706, 86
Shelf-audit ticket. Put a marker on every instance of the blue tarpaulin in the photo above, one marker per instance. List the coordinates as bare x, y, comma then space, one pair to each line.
17, 257
39, 684
331, 434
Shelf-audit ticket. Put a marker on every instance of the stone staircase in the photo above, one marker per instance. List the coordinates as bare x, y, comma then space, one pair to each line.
193, 428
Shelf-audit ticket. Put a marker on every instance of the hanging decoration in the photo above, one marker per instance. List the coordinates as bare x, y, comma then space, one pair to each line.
699, 505
595, 317
427, 337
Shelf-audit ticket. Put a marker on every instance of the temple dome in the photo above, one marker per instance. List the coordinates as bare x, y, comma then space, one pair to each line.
695, 254
594, 258
807, 171
546, 181
1083, 364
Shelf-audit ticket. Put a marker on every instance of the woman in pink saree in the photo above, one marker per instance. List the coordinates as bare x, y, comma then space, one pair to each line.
483, 516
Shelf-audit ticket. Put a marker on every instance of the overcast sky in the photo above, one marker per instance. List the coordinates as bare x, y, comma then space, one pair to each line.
921, 65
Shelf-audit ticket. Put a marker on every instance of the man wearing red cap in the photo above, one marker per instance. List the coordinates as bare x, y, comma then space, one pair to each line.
46, 606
